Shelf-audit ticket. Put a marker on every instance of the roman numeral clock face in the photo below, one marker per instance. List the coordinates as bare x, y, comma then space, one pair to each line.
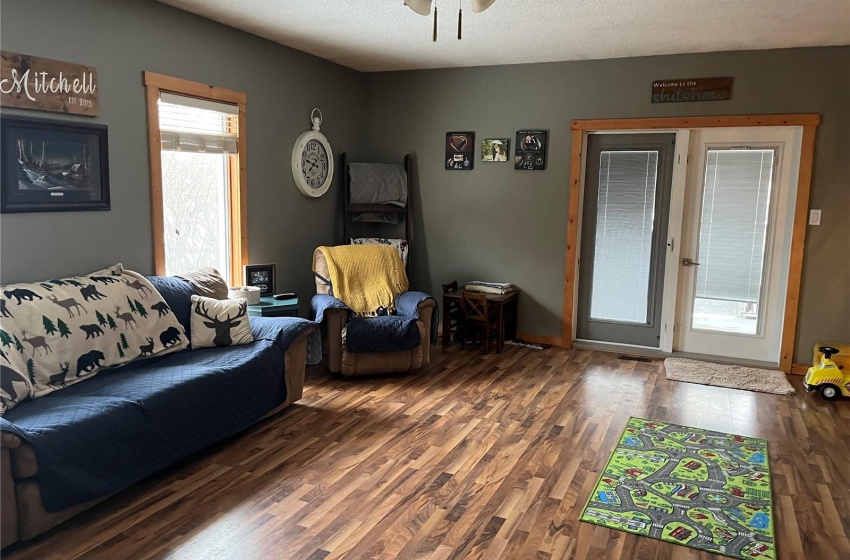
312, 164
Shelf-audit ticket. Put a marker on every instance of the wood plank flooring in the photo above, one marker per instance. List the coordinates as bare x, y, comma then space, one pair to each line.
472, 457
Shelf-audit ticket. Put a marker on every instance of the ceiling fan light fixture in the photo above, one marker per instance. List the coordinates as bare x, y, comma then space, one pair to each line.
479, 6
421, 7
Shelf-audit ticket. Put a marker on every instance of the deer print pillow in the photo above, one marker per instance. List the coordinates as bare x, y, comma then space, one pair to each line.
219, 322
59, 332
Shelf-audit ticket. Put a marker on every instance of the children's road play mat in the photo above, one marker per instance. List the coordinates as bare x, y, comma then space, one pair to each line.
703, 489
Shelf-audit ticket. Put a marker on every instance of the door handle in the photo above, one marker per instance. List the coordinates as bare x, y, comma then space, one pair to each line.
689, 262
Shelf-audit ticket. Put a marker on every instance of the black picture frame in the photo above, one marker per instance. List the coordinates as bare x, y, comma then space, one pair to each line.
460, 149
261, 275
53, 166
530, 150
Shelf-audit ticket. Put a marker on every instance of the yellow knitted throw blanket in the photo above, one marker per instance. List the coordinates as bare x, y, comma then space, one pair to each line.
365, 277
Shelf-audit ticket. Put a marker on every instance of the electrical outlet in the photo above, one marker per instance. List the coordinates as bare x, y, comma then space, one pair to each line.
814, 217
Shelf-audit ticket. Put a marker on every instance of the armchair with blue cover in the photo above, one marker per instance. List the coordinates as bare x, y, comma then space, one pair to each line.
371, 322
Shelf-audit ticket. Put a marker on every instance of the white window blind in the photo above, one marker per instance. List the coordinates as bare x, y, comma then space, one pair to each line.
625, 217
195, 125
733, 230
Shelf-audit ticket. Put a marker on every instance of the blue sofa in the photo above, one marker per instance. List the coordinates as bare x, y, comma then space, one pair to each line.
64, 452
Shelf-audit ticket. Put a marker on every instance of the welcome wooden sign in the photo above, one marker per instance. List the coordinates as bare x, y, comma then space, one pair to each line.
692, 89
31, 82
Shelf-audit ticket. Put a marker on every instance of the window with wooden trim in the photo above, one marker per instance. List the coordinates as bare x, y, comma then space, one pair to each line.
197, 157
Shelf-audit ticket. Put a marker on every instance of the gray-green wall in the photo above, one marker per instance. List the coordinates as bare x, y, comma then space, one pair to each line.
494, 223
490, 223
123, 38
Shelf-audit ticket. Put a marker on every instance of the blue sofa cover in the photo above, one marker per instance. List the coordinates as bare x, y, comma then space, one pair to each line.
100, 436
389, 333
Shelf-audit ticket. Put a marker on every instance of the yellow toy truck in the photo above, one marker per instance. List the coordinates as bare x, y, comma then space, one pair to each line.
827, 377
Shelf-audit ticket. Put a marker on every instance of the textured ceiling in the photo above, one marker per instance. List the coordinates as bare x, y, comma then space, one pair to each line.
379, 35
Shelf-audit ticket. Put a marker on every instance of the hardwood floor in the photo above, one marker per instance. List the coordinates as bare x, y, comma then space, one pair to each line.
473, 457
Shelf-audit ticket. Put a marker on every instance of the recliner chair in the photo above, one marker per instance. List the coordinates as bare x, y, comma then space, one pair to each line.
335, 318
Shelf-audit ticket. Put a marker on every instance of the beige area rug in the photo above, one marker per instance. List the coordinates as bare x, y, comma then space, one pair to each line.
723, 375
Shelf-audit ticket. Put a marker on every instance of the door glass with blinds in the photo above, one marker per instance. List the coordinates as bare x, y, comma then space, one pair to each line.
624, 223
199, 142
733, 234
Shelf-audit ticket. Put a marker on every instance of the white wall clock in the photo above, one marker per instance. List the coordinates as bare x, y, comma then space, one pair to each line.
313, 160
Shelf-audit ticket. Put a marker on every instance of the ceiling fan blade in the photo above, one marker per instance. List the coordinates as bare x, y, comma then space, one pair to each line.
479, 6
421, 7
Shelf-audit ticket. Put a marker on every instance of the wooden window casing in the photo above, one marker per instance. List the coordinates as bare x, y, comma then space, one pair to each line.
237, 181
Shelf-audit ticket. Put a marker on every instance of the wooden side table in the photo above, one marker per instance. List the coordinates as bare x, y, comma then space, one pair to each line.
504, 306
270, 307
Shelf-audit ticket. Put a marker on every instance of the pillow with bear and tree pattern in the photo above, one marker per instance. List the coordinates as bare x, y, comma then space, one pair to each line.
59, 332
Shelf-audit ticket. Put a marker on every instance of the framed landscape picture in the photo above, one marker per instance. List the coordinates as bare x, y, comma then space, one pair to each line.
53, 166
530, 154
459, 149
495, 149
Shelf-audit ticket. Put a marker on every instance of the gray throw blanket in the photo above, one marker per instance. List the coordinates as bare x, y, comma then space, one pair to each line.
378, 183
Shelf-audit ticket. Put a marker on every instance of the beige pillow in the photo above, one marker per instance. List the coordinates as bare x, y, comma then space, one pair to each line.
207, 282
216, 322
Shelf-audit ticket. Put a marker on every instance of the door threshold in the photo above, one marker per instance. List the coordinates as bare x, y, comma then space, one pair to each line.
619, 348
650, 352
726, 360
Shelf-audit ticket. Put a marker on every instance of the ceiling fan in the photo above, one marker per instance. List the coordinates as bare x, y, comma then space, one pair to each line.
423, 7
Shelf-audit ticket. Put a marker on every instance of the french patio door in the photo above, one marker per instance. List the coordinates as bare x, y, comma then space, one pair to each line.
624, 229
736, 241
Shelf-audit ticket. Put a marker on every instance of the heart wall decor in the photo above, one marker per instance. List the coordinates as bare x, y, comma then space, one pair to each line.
460, 147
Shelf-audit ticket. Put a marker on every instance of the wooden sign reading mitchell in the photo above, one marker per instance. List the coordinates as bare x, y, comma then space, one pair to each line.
30, 82
692, 89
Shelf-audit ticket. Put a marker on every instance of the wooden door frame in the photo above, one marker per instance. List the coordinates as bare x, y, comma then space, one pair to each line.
809, 123
237, 170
